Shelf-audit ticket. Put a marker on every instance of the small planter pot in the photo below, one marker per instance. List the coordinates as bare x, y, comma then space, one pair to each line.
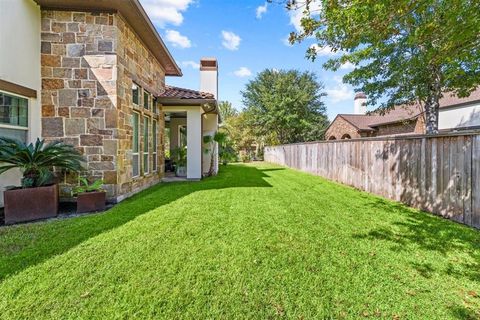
181, 172
91, 201
30, 204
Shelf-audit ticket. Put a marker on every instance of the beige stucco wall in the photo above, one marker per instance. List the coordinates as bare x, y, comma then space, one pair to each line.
20, 64
459, 117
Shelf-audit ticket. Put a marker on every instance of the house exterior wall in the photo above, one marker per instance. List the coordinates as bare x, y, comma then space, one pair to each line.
136, 64
459, 117
20, 64
413, 126
339, 128
88, 63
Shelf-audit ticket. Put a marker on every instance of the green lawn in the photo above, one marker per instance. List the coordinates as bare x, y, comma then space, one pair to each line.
257, 241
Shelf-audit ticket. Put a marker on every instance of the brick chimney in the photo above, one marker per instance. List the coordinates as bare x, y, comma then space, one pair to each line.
209, 76
360, 103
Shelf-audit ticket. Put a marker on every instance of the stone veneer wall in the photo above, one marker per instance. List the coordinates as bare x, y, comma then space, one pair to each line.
85, 97
136, 64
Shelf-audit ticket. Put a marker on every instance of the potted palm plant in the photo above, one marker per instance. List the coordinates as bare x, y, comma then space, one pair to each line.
179, 156
37, 197
90, 196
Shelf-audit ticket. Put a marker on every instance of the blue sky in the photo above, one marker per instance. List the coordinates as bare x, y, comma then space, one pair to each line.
246, 37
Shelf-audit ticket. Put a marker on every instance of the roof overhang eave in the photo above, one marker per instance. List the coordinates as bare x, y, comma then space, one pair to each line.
133, 12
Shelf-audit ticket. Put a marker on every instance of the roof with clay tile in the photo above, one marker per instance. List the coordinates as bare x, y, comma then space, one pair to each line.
182, 93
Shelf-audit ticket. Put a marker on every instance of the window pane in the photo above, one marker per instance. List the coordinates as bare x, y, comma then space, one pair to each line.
146, 125
135, 143
154, 105
14, 134
135, 132
135, 94
154, 145
146, 100
136, 167
154, 135
13, 110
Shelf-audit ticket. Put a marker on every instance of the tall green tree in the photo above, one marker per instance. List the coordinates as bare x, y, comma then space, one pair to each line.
227, 110
403, 50
285, 106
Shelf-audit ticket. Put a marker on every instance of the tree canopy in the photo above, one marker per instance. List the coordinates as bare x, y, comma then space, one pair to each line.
403, 50
285, 106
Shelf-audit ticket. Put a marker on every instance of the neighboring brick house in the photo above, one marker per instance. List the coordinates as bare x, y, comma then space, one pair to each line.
102, 73
400, 120
454, 114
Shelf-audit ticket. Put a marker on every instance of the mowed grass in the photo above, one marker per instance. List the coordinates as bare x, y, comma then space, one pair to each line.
255, 242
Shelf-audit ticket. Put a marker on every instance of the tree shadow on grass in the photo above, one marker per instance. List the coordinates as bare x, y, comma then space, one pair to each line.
431, 233
29, 244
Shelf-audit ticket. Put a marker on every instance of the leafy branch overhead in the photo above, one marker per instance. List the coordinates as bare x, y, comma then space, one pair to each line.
403, 50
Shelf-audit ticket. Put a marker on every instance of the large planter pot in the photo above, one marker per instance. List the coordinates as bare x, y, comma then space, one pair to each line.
91, 201
30, 204
181, 172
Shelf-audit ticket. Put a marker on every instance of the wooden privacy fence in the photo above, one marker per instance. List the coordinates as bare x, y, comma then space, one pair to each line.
439, 174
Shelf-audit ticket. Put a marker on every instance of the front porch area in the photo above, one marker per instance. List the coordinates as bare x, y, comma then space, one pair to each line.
185, 127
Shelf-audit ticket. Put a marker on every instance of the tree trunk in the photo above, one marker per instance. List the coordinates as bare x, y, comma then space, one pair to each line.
432, 103
431, 116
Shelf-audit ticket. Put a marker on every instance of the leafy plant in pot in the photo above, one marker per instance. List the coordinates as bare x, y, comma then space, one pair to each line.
90, 196
179, 156
36, 162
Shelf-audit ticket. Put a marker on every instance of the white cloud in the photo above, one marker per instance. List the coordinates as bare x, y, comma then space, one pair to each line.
286, 41
177, 39
191, 64
163, 12
231, 41
323, 51
339, 92
261, 10
296, 15
243, 72
347, 66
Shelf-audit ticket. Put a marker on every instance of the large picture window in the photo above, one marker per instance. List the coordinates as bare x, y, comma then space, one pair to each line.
154, 145
13, 116
146, 130
135, 145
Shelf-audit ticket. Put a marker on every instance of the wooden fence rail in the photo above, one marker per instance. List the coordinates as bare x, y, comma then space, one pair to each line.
439, 174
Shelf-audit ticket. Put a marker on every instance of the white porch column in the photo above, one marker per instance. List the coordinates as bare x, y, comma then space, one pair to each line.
194, 143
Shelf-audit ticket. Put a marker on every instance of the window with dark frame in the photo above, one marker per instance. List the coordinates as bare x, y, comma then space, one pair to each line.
13, 116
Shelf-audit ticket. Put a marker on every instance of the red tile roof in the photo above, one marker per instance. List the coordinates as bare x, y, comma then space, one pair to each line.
182, 93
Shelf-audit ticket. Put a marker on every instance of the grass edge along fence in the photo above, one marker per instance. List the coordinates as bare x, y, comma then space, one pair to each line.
439, 174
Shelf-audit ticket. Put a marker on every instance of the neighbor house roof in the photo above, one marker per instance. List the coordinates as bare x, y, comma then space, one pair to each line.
364, 122
400, 113
136, 17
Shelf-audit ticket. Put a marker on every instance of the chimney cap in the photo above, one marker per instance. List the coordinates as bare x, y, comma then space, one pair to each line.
360, 95
208, 63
